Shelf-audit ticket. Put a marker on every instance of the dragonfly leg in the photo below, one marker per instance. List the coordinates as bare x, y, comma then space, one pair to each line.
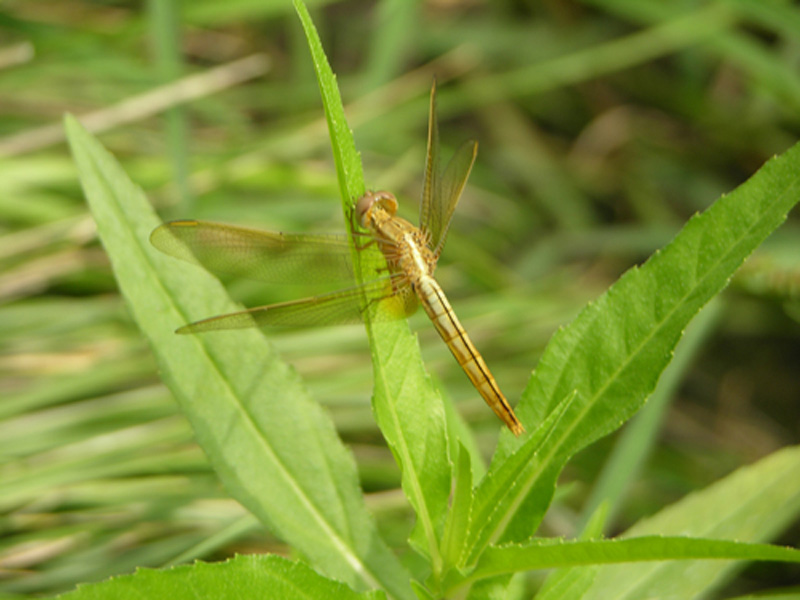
352, 219
363, 246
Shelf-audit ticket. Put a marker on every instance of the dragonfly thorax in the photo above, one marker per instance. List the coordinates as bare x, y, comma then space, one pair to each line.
405, 246
414, 258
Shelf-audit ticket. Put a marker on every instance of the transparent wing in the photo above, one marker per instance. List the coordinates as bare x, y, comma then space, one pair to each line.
264, 255
394, 298
442, 190
451, 185
426, 210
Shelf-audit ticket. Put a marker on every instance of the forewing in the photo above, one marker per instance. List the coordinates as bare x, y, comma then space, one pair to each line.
335, 308
426, 208
442, 189
451, 184
269, 256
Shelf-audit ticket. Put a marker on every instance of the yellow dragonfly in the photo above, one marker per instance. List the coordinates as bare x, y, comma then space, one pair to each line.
405, 281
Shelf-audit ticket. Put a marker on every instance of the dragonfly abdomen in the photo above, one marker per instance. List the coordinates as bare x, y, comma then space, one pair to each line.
447, 324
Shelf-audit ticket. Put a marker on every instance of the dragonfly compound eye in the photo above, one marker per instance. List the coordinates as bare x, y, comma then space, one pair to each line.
368, 201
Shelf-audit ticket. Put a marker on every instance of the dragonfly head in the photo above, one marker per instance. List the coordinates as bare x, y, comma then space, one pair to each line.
372, 200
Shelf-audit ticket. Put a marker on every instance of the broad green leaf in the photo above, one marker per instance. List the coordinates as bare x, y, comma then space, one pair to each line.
633, 447
256, 576
407, 407
754, 503
613, 353
274, 449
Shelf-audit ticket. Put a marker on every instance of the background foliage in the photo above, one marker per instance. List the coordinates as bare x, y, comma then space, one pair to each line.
602, 126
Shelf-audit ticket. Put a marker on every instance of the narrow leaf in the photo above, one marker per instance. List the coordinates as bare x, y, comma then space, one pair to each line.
408, 409
459, 515
753, 504
547, 554
274, 449
346, 158
493, 504
633, 446
572, 583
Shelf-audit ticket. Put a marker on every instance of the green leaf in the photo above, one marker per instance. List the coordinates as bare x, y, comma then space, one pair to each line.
421, 591
613, 353
565, 584
459, 515
408, 409
347, 160
547, 554
256, 576
494, 496
755, 503
274, 449
633, 446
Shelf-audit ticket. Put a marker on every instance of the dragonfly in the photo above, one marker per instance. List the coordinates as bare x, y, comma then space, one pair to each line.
398, 282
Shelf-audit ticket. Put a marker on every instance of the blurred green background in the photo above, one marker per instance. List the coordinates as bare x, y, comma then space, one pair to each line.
603, 126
